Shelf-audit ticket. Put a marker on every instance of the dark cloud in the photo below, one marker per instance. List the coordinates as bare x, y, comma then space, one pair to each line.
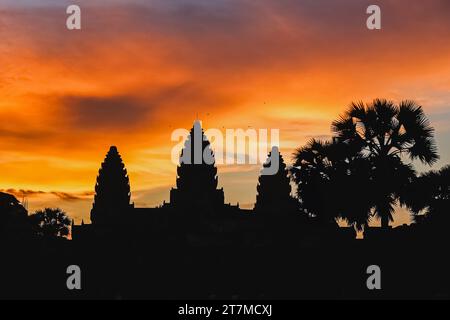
141, 109
65, 196
19, 193
114, 112
70, 196
23, 134
233, 29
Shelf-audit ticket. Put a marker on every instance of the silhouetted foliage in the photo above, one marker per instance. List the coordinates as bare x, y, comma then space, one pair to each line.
312, 171
333, 182
383, 132
112, 190
274, 191
13, 217
50, 223
428, 197
164, 253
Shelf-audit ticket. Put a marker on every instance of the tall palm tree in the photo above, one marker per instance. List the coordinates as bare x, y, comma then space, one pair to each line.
385, 134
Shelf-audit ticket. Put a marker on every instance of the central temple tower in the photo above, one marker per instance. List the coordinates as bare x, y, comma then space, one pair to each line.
197, 176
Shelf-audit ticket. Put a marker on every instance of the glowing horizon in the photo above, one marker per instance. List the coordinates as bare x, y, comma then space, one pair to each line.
140, 69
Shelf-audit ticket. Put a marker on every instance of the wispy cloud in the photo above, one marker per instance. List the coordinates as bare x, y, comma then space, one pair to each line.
66, 196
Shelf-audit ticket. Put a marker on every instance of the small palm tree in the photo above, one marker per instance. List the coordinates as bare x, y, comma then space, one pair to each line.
311, 172
385, 133
428, 197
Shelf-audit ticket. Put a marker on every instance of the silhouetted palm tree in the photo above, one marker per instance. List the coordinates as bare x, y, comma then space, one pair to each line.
50, 223
428, 197
384, 133
333, 182
312, 172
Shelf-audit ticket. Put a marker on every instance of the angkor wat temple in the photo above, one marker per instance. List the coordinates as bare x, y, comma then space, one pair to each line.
197, 210
197, 246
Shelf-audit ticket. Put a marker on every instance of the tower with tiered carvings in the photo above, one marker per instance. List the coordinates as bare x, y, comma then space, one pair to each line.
274, 190
197, 176
112, 191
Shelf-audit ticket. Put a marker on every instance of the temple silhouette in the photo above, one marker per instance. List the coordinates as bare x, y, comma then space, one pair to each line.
197, 209
196, 201
197, 246
197, 180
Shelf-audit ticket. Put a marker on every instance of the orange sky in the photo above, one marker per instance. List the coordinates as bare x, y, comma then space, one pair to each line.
139, 69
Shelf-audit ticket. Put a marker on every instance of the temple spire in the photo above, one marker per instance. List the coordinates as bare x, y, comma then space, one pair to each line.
112, 190
274, 190
197, 174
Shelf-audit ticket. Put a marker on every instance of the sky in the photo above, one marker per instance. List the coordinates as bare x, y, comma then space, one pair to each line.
140, 69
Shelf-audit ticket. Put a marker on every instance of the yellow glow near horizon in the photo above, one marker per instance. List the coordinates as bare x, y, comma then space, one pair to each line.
131, 77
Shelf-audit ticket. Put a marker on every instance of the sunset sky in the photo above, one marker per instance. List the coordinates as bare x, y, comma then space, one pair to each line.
140, 69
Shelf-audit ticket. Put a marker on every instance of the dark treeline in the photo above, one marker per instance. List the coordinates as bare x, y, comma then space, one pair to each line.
288, 246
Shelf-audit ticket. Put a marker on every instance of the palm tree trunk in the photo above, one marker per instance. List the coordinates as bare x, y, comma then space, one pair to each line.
384, 221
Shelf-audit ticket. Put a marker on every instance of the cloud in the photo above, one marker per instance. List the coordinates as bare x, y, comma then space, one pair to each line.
65, 196
104, 112
23, 134
139, 69
72, 196
22, 193
138, 109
